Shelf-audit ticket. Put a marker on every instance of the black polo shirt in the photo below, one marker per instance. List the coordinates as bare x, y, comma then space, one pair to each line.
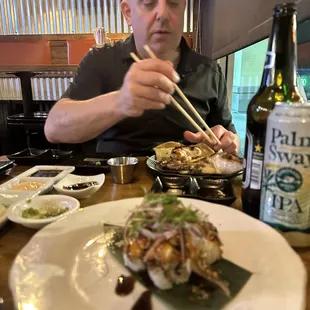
103, 70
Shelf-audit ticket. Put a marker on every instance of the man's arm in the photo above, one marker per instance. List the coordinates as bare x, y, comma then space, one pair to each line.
72, 121
84, 113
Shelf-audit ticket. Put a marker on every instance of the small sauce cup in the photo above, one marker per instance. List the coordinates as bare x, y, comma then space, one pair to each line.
123, 169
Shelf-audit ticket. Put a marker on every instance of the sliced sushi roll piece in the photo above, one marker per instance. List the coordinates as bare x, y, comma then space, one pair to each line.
170, 241
159, 278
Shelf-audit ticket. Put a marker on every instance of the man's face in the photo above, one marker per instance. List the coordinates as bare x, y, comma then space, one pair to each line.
157, 23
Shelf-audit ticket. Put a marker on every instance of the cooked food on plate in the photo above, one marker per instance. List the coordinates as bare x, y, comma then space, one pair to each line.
197, 158
170, 242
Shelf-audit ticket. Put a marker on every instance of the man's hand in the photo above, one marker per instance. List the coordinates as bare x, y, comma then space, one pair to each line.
147, 86
229, 141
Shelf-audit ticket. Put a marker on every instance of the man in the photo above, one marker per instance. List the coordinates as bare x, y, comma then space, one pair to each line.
116, 100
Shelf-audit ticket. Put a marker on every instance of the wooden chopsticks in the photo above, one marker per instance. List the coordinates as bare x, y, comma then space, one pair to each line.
179, 107
181, 94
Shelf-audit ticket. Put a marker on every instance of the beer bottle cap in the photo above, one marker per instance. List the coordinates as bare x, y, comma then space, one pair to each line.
285, 9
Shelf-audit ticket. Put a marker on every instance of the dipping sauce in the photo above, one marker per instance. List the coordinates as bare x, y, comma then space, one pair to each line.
79, 186
46, 173
144, 302
44, 212
27, 186
125, 285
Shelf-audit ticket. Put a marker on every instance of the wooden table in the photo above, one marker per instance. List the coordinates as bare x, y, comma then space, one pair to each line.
14, 237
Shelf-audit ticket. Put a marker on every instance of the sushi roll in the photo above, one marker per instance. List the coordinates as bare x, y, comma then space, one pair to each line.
171, 241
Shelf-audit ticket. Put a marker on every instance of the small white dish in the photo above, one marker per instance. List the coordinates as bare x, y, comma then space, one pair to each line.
14, 211
72, 179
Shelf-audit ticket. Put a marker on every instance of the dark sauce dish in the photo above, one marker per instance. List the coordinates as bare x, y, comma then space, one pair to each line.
80, 186
217, 191
46, 173
89, 165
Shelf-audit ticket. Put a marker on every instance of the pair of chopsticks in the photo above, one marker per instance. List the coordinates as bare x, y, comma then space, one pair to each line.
179, 107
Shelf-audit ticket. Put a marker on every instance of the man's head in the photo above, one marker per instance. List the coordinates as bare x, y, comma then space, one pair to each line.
157, 23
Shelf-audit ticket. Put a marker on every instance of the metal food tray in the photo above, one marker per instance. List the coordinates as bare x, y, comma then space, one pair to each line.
217, 191
153, 165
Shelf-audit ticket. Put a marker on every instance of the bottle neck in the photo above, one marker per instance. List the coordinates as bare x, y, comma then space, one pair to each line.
281, 62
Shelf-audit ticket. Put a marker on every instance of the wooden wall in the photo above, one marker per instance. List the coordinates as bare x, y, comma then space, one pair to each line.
58, 44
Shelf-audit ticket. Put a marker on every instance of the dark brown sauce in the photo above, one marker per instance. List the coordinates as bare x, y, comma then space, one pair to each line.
144, 302
45, 173
79, 186
125, 285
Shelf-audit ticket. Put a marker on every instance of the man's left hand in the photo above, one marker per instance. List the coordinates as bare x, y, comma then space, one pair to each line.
229, 141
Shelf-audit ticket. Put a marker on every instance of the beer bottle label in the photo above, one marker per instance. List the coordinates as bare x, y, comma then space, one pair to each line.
253, 162
285, 198
270, 60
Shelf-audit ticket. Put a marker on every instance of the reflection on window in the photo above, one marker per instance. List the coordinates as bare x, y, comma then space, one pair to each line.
304, 69
248, 69
303, 35
247, 73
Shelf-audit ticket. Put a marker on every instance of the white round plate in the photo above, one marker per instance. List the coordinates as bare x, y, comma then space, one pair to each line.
67, 266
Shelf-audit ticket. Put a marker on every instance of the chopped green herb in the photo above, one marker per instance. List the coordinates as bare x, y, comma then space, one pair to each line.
161, 209
43, 212
161, 198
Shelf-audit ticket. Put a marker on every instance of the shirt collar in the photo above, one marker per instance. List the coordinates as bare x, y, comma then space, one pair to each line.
129, 46
183, 66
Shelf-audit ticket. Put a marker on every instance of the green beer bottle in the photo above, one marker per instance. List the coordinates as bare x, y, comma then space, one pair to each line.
279, 84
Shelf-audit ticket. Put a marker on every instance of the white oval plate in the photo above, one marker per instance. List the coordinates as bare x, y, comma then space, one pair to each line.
66, 265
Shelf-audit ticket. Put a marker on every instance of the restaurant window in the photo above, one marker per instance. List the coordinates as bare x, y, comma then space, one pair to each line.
304, 58
248, 66
244, 72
